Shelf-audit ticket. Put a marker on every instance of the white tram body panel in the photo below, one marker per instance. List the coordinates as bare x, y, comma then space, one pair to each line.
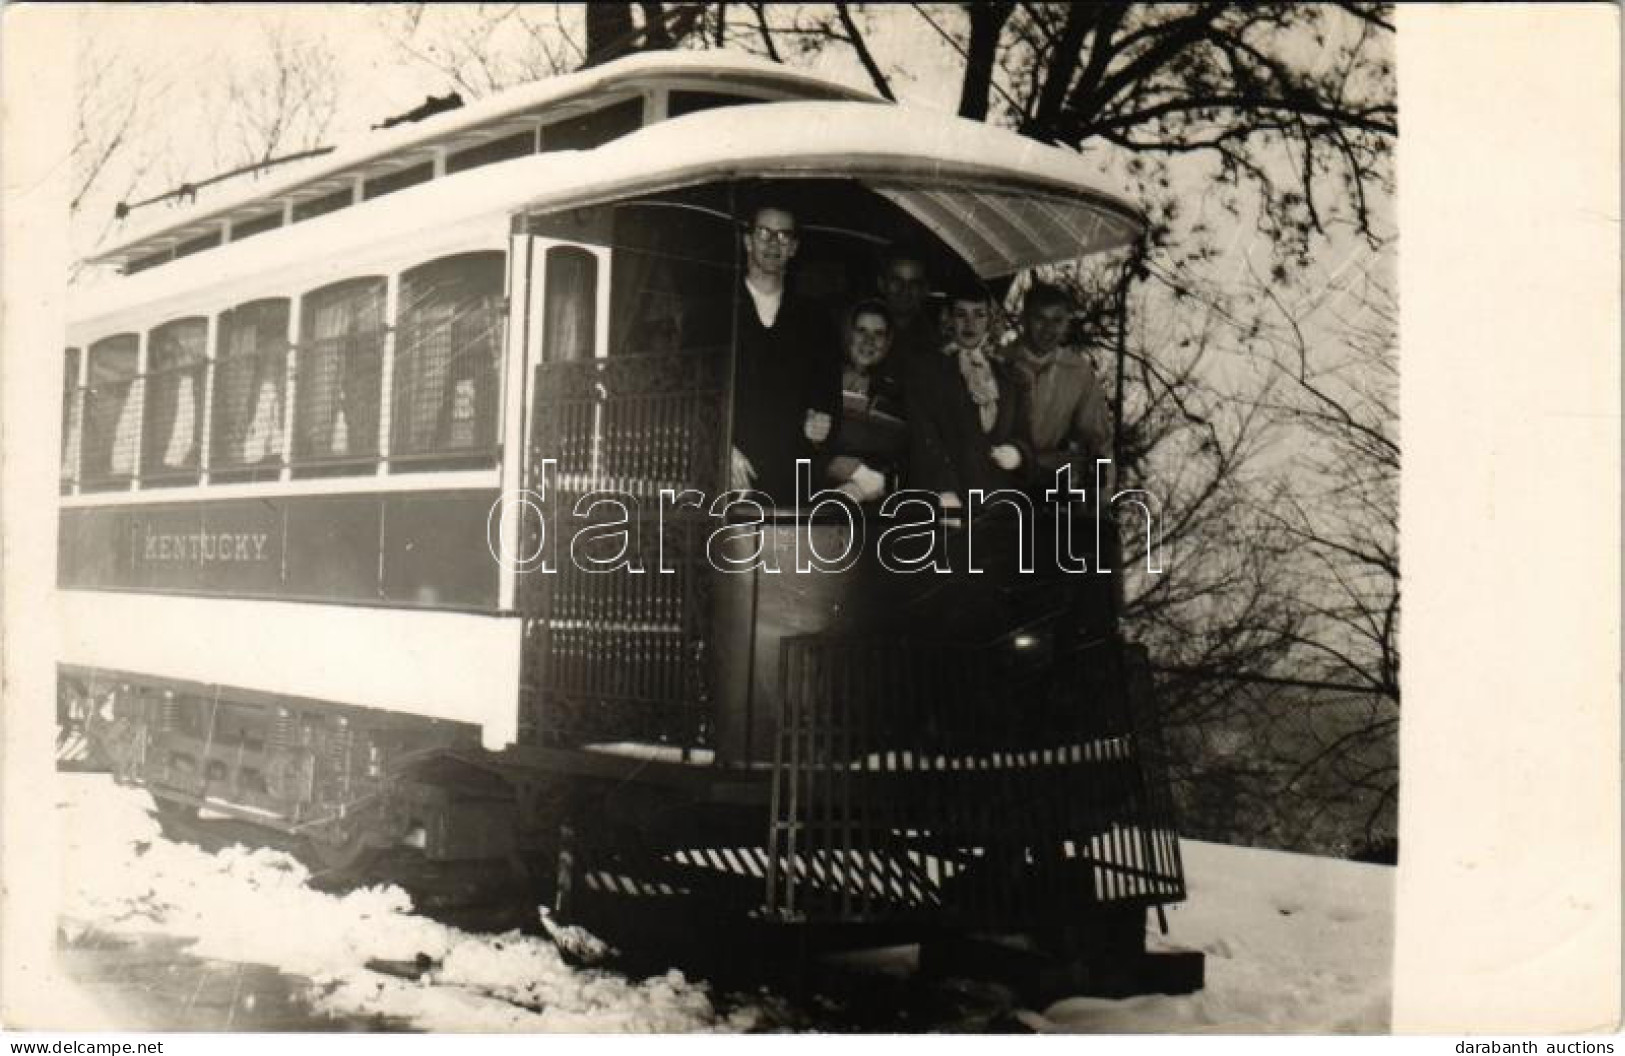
440, 665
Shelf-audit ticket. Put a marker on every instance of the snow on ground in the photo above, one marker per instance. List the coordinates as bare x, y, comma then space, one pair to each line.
123, 878
1293, 943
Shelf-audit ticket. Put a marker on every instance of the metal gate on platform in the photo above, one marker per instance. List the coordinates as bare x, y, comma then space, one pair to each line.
973, 786
613, 656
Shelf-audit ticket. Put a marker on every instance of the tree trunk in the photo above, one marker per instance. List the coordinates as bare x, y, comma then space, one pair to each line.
609, 32
986, 23
656, 37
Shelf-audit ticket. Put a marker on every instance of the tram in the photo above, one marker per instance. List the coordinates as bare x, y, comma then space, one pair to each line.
297, 590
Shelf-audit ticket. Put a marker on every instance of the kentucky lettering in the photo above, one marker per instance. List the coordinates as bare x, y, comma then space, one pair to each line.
199, 547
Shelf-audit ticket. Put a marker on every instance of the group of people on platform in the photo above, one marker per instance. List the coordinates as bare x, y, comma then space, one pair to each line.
912, 401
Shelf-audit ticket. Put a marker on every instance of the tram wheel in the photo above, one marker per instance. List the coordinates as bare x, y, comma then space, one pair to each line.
339, 853
339, 859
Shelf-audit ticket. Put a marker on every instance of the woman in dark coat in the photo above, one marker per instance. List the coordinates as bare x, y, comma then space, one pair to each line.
963, 413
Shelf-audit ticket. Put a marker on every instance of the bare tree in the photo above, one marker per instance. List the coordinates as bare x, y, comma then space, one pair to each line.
1291, 103
279, 97
483, 48
114, 147
282, 100
111, 109
1340, 510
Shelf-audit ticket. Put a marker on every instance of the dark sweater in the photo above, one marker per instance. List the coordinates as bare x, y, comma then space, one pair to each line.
781, 373
948, 451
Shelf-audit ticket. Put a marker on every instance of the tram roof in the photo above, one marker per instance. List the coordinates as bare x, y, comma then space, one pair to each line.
555, 98
1001, 201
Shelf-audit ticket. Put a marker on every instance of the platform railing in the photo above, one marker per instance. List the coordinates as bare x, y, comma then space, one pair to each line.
976, 785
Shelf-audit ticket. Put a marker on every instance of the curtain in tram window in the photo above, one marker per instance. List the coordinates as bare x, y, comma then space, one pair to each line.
340, 357
109, 443
646, 306
673, 281
262, 440
249, 380
571, 305
647, 299
448, 356
468, 411
125, 432
174, 395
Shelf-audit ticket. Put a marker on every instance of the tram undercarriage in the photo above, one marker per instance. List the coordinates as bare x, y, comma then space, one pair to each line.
942, 814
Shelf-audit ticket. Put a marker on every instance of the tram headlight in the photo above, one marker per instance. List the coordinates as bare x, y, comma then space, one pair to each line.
1029, 652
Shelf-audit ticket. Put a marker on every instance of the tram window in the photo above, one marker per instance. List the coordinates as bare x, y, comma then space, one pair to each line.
671, 268
198, 244
515, 146
680, 103
258, 225
71, 416
110, 413
327, 203
399, 180
341, 354
596, 128
448, 354
250, 376
173, 420
572, 304
152, 261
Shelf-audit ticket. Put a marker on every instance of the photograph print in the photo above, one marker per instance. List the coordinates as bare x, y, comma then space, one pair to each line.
675, 517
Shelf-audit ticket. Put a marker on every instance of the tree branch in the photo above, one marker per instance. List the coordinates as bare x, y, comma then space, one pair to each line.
855, 38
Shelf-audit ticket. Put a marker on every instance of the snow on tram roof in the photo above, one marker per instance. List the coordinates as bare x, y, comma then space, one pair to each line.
551, 98
1002, 201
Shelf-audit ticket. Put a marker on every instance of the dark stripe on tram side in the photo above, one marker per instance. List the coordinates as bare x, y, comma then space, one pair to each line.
423, 550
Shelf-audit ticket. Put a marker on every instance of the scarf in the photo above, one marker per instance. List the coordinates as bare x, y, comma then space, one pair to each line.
981, 384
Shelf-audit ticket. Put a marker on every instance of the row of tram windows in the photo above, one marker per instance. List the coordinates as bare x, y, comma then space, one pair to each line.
326, 383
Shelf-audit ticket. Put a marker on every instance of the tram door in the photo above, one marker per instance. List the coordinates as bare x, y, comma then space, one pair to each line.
623, 455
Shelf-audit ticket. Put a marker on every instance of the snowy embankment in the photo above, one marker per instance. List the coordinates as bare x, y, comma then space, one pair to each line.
1293, 943
122, 877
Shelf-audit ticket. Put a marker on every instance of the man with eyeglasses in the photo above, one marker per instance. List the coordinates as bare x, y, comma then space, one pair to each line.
787, 384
